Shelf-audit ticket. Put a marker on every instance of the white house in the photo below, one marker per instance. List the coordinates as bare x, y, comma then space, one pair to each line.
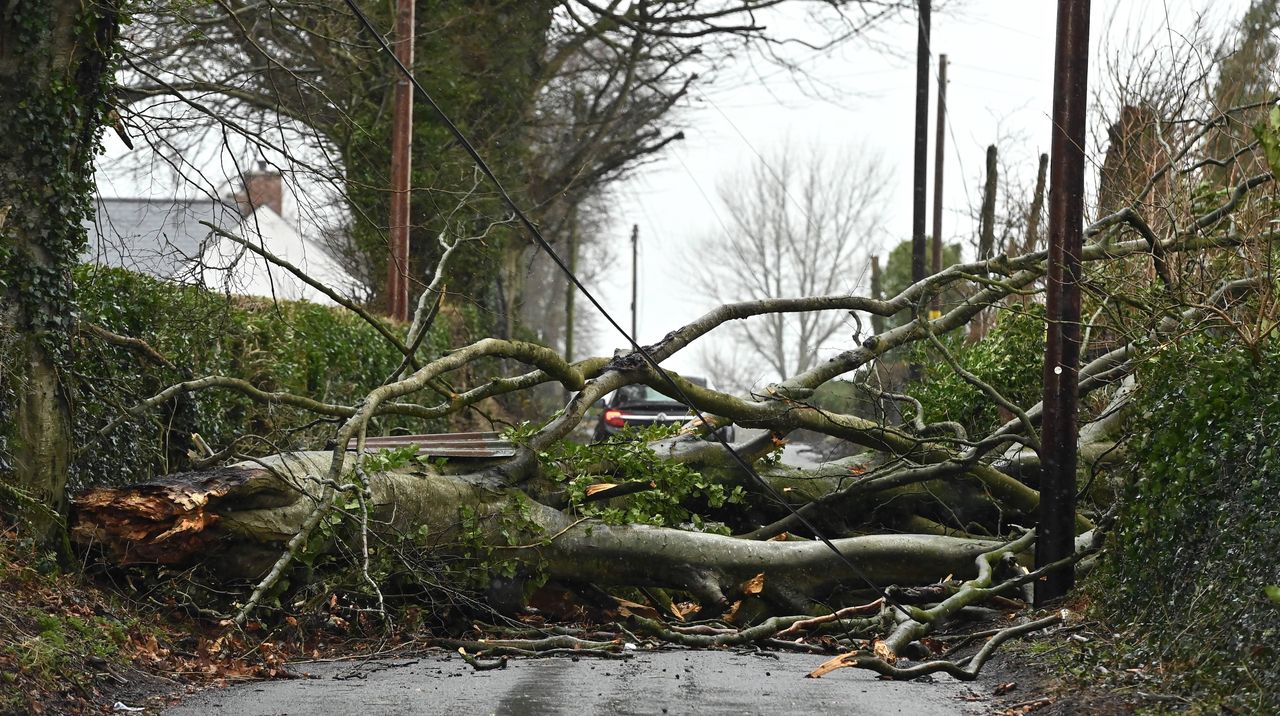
166, 238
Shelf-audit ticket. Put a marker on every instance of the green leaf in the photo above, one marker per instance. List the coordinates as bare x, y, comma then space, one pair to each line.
1273, 593
1268, 134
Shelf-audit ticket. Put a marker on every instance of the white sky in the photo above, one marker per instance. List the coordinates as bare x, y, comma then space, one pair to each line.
1000, 87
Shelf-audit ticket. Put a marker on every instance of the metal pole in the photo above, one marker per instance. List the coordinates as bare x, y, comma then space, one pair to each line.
1056, 532
635, 277
939, 138
918, 248
401, 167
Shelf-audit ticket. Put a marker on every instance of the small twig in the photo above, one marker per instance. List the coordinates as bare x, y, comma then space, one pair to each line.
833, 616
548, 540
362, 492
136, 345
548, 646
766, 630
499, 663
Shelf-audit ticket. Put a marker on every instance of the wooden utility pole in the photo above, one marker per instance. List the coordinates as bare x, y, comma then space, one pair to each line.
987, 219
401, 168
918, 248
635, 278
1037, 206
877, 293
1055, 537
570, 291
980, 326
939, 157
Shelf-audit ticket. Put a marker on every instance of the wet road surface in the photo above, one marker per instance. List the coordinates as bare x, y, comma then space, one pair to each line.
666, 682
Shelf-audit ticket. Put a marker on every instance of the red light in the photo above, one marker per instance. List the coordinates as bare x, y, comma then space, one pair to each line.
614, 417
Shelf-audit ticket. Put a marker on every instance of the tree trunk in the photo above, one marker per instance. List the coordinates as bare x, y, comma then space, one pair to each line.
55, 64
239, 517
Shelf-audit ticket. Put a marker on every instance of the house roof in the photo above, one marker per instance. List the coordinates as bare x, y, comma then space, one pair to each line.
228, 266
161, 237
164, 238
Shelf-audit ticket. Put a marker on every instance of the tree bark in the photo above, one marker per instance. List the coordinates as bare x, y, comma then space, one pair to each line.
55, 64
238, 518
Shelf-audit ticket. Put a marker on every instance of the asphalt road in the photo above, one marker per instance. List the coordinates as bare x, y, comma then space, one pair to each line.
665, 682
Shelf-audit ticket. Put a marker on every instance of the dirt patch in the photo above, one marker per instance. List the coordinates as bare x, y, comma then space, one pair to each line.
72, 645
1061, 674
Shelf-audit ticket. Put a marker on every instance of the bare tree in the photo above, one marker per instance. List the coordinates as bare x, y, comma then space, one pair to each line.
795, 226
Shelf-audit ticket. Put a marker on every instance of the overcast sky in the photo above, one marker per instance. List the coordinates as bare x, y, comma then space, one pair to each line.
1000, 88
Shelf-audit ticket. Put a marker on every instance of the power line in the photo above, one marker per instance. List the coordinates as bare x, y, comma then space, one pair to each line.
524, 219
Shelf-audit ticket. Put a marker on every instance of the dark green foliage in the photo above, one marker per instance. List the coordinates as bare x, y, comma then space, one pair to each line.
1193, 555
1010, 359
673, 487
48, 133
326, 354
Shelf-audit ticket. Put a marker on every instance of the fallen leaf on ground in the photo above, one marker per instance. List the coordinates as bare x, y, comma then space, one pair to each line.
627, 607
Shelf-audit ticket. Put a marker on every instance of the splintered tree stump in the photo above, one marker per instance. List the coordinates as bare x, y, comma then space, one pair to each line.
171, 520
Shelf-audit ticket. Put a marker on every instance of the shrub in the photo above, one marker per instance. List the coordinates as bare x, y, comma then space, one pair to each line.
1190, 562
1009, 358
324, 353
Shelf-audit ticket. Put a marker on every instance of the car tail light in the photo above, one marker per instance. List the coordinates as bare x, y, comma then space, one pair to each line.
614, 418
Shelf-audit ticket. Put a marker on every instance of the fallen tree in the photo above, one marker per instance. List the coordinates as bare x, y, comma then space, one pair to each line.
920, 505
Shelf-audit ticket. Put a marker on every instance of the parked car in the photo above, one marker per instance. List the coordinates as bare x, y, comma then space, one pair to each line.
642, 406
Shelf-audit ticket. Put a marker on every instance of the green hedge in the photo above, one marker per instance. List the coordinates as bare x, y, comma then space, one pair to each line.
1194, 550
324, 353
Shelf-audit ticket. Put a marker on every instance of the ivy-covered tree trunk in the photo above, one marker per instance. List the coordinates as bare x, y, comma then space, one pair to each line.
55, 68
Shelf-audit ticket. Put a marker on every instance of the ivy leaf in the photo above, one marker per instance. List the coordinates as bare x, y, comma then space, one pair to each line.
1268, 134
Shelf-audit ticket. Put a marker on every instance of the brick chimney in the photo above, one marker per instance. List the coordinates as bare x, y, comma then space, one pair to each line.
261, 188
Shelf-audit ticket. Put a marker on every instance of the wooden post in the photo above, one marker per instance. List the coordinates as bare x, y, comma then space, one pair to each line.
981, 323
401, 168
1055, 538
635, 279
987, 219
918, 248
939, 157
570, 291
1037, 207
877, 292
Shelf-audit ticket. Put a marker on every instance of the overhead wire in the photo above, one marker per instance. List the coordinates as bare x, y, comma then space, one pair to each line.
545, 245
